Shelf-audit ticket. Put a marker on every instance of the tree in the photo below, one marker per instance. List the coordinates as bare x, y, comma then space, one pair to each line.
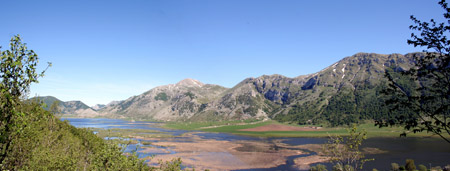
425, 105
17, 72
345, 153
54, 108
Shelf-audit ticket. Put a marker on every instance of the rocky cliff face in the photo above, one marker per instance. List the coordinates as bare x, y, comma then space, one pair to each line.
347, 87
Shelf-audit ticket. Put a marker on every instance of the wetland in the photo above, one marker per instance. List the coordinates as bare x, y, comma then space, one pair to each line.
224, 151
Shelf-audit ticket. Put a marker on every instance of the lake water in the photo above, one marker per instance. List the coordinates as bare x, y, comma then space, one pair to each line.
426, 151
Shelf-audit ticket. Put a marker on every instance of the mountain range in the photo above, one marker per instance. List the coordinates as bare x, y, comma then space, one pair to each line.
345, 92
76, 108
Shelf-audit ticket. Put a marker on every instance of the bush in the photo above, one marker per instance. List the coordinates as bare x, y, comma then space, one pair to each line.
410, 166
422, 168
437, 168
346, 152
447, 168
161, 96
395, 167
339, 167
47, 143
319, 167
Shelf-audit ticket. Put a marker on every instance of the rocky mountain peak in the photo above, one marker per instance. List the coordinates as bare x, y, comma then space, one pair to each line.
190, 83
98, 106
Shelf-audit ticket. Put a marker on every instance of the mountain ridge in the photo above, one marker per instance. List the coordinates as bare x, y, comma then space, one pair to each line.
73, 107
344, 92
280, 97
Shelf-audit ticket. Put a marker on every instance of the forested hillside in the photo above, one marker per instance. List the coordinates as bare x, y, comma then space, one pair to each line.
32, 138
44, 142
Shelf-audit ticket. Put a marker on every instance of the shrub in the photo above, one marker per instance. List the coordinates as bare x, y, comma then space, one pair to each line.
410, 166
346, 152
161, 96
422, 168
395, 167
319, 167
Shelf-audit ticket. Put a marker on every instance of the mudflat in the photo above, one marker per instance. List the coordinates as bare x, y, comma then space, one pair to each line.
229, 155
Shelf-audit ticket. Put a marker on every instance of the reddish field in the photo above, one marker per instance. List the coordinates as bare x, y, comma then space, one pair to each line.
276, 127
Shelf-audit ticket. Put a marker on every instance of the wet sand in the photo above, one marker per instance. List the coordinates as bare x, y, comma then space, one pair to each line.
303, 163
229, 155
213, 154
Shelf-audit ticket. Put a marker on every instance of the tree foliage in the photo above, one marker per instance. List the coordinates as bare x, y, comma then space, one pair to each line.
32, 138
395, 167
17, 72
345, 152
162, 96
54, 107
410, 166
47, 143
424, 101
346, 107
318, 167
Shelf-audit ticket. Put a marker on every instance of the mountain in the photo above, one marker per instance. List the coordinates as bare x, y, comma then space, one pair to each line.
77, 108
170, 102
98, 106
345, 92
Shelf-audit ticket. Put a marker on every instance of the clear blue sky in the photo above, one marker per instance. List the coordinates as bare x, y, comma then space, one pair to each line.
111, 50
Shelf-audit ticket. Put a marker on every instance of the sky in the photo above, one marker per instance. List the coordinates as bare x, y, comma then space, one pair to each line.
107, 50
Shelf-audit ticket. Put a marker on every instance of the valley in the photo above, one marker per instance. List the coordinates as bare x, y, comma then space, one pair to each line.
225, 85
223, 151
271, 122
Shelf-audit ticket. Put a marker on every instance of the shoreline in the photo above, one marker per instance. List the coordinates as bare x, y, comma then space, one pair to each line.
193, 148
242, 128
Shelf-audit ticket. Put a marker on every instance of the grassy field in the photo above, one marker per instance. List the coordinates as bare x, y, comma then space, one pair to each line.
130, 133
200, 125
235, 127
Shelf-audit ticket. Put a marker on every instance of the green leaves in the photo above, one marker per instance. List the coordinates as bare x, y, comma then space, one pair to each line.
31, 138
17, 72
346, 152
419, 97
18, 67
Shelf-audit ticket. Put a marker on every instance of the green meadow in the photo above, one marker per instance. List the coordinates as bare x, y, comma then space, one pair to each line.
129, 133
235, 127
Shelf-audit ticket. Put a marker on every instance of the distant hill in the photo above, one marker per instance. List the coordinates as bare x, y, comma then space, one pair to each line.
345, 92
76, 108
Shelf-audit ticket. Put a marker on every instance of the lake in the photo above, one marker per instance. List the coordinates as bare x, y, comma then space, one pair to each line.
426, 151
